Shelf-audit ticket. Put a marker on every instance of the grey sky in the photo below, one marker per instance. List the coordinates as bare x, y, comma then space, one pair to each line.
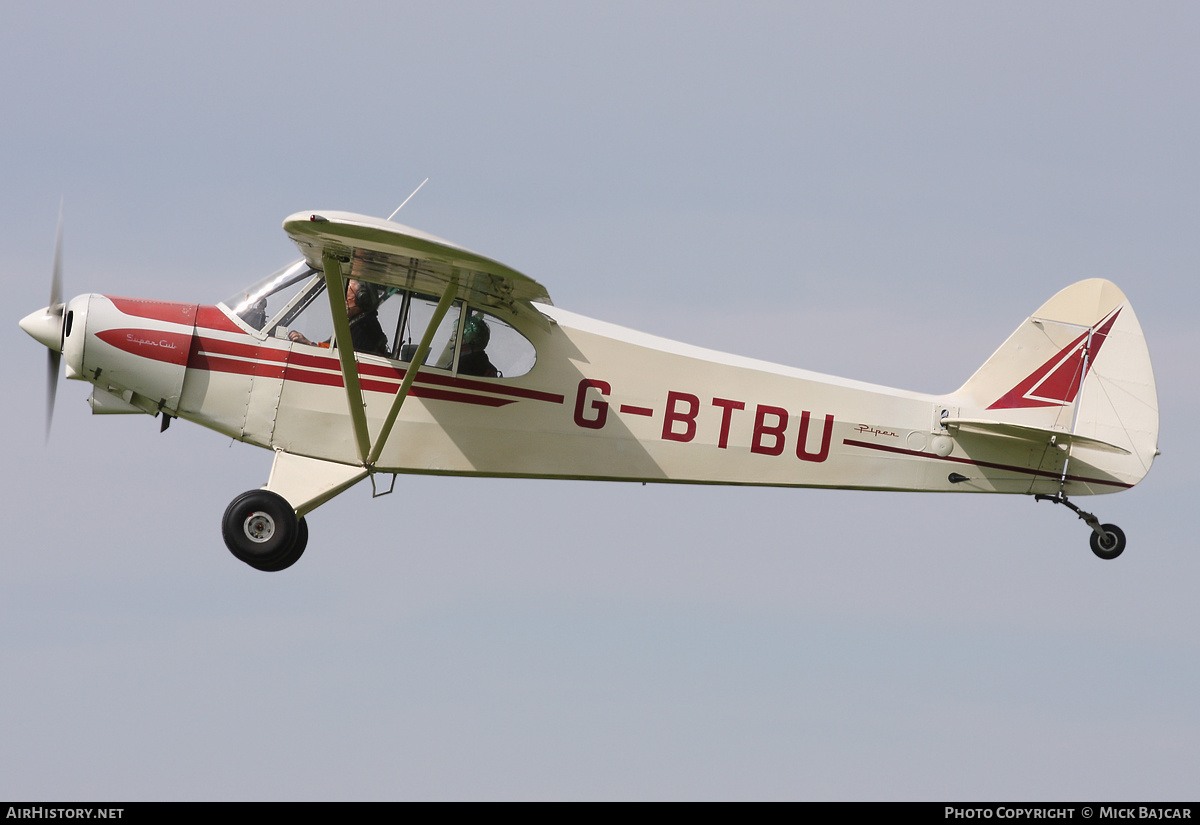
882, 191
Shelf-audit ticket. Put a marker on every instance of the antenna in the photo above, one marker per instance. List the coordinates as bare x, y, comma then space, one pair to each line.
410, 197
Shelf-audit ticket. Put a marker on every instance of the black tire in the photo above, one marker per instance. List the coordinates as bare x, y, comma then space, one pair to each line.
1111, 545
259, 527
291, 556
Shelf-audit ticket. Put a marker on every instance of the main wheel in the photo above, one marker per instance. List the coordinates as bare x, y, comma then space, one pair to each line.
291, 556
260, 528
1111, 544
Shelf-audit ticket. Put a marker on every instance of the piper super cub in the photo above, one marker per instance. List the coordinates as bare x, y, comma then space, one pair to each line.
385, 350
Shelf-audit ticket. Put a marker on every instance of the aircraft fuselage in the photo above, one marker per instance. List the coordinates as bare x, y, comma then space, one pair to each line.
601, 402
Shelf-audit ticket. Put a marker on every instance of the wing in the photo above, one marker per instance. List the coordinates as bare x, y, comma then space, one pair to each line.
342, 244
390, 253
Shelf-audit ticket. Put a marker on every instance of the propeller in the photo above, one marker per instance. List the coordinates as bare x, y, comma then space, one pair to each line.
55, 309
46, 325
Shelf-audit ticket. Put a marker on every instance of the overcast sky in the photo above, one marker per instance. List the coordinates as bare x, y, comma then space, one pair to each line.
880, 191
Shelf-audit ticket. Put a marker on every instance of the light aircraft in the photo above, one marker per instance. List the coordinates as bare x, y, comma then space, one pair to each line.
464, 367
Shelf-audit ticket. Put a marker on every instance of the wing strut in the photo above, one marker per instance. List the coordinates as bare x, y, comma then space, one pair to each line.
345, 347
417, 360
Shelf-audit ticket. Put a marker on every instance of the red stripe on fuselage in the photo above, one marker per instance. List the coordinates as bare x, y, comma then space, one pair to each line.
458, 383
157, 345
168, 311
211, 317
246, 357
989, 464
239, 358
334, 379
216, 363
219, 346
447, 395
214, 318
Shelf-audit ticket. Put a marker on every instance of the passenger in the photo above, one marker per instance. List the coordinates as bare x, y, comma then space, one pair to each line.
473, 360
362, 308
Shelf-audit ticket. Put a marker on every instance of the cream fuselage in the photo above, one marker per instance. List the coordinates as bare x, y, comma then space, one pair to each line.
601, 402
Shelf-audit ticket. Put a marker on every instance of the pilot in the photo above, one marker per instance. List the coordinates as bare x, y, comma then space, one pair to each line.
474, 360
362, 308
255, 314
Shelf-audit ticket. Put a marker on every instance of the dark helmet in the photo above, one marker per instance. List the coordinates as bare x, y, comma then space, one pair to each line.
476, 332
365, 296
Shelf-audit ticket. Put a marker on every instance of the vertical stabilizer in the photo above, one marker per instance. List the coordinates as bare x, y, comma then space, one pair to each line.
1078, 365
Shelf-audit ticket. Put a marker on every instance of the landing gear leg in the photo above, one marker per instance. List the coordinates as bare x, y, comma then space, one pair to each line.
1108, 540
261, 529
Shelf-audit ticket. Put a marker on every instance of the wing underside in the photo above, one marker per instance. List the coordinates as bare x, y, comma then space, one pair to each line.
389, 253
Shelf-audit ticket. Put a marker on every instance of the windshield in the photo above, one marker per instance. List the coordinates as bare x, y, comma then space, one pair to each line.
267, 298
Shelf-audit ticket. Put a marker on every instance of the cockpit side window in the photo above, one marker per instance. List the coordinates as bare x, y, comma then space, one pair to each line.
492, 348
308, 308
308, 319
417, 312
291, 304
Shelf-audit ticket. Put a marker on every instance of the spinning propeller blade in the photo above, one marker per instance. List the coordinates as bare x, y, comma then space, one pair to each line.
56, 304
54, 308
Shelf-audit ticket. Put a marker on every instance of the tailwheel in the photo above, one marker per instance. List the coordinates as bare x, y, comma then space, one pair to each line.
1110, 543
1108, 540
261, 529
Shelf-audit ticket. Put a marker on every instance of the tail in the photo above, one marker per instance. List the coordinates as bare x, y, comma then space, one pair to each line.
1078, 373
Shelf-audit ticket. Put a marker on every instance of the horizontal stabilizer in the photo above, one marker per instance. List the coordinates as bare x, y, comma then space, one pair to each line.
1037, 435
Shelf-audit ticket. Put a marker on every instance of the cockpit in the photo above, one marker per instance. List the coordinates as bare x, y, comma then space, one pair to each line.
386, 321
